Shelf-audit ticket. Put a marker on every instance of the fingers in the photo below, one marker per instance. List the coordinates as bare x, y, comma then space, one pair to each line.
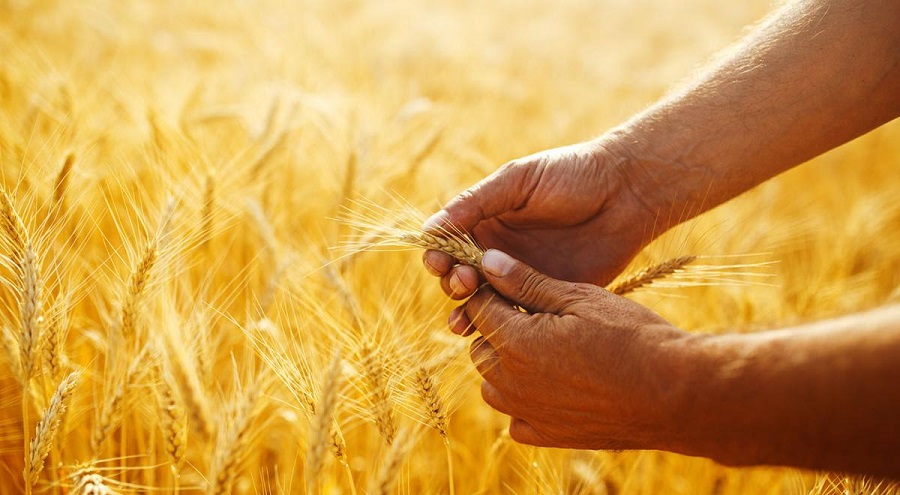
523, 432
495, 317
459, 322
524, 285
497, 193
457, 281
485, 359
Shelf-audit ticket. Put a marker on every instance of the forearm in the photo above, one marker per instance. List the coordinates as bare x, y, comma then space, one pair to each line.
815, 75
821, 396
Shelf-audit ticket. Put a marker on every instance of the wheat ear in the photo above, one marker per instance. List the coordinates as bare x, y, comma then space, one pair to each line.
111, 411
89, 482
463, 250
47, 427
137, 283
374, 375
232, 445
173, 421
25, 262
11, 347
389, 473
435, 412
434, 406
194, 396
13, 227
61, 184
52, 348
320, 436
206, 214
651, 273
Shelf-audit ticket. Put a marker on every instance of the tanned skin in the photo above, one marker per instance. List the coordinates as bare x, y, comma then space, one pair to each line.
586, 369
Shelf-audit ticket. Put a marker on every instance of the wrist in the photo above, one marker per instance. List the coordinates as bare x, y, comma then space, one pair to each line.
710, 408
661, 178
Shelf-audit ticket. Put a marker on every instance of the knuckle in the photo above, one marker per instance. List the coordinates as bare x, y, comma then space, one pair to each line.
532, 286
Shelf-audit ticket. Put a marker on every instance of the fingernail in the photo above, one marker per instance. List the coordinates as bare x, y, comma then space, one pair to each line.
456, 284
430, 268
496, 263
435, 221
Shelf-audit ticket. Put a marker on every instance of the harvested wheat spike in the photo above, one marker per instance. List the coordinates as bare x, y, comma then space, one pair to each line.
322, 424
651, 273
463, 250
377, 227
45, 432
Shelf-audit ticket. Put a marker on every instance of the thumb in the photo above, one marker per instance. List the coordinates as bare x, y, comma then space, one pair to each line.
492, 196
523, 285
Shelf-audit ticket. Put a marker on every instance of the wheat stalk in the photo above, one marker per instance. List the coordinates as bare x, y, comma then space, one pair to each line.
47, 427
648, 275
322, 427
374, 375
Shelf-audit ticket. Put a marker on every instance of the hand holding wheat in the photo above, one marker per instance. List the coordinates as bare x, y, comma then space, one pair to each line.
619, 359
569, 212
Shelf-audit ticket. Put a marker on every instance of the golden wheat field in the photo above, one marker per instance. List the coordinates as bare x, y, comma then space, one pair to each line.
179, 316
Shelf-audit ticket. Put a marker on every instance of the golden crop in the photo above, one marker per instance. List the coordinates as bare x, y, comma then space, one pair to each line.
175, 318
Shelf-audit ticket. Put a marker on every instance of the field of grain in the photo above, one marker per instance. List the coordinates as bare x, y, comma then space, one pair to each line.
177, 315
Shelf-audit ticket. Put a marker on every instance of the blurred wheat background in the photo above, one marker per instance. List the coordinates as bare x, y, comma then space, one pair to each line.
175, 319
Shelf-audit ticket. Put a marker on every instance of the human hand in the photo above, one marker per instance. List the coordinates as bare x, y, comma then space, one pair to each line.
570, 212
582, 368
